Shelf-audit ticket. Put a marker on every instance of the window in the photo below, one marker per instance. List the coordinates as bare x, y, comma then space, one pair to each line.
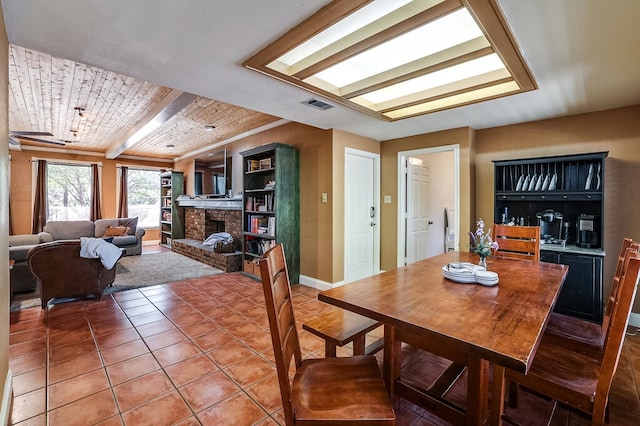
143, 187
396, 59
68, 191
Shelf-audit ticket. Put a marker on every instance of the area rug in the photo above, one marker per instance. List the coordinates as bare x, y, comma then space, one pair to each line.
139, 271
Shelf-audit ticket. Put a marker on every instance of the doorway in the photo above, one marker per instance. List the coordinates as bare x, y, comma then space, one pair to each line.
428, 202
361, 216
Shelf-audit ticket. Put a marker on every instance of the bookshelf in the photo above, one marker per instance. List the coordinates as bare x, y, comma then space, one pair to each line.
171, 215
271, 206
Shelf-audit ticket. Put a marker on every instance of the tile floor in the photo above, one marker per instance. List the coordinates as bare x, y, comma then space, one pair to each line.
193, 352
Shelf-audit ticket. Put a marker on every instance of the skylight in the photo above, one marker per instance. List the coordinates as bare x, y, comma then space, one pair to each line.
400, 58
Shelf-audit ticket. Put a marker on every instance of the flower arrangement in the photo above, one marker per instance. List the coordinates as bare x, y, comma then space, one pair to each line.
481, 243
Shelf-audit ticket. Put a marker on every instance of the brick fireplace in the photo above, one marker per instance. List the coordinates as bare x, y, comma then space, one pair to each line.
199, 223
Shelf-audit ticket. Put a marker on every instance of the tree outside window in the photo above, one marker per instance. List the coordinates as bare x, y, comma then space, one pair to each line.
144, 196
68, 191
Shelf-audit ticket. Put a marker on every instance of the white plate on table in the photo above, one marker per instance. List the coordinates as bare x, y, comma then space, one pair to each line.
469, 273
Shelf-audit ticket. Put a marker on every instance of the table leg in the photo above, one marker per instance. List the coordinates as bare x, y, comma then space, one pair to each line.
392, 358
329, 349
497, 395
477, 391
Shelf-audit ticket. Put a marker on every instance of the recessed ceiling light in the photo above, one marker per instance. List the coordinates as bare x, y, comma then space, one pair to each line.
170, 145
209, 127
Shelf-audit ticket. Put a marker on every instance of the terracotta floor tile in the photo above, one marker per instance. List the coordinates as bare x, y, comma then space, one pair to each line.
74, 367
26, 348
75, 388
116, 354
89, 410
155, 327
117, 338
28, 363
103, 328
208, 390
147, 308
176, 353
213, 340
229, 319
27, 335
191, 369
74, 336
164, 339
133, 303
123, 296
168, 409
189, 318
191, 421
236, 410
40, 420
112, 421
266, 392
132, 368
143, 319
142, 389
29, 382
72, 350
16, 325
260, 341
250, 370
199, 328
28, 405
230, 354
243, 329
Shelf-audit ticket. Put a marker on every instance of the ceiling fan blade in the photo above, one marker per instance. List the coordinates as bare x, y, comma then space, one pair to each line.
29, 138
28, 133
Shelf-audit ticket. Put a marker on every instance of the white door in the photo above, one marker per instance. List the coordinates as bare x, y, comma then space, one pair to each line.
361, 215
417, 246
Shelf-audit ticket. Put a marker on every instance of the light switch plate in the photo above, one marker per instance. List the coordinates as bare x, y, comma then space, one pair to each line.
324, 197
387, 199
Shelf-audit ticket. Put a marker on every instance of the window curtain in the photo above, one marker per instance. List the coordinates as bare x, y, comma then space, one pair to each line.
123, 204
40, 200
96, 195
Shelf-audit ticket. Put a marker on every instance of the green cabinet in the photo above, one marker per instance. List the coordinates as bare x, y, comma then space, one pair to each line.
171, 215
271, 205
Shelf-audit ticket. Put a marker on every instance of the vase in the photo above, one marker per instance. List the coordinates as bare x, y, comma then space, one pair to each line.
483, 262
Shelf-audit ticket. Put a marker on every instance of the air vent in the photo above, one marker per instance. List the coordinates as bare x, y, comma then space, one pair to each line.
317, 103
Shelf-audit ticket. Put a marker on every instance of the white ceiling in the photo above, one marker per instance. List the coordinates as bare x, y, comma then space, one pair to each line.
584, 55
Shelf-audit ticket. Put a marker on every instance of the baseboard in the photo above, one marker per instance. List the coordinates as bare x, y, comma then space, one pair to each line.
634, 320
7, 395
318, 284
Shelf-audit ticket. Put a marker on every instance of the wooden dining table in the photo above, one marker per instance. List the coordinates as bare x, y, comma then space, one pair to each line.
470, 324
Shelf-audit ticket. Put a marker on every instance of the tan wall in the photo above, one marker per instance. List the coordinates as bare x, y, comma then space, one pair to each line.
314, 147
342, 140
616, 131
389, 184
21, 186
4, 211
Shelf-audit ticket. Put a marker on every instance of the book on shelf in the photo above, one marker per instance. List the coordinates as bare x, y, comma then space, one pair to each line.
260, 204
253, 165
258, 224
265, 163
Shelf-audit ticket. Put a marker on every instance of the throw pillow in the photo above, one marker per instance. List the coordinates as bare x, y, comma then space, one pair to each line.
116, 231
131, 223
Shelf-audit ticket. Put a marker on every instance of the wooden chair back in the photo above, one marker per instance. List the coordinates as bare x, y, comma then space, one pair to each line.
517, 242
284, 334
618, 327
613, 293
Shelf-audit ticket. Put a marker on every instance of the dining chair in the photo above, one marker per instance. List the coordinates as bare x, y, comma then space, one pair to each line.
583, 334
323, 391
517, 242
574, 379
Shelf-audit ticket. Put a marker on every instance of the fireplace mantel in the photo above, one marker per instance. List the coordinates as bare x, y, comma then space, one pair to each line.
212, 203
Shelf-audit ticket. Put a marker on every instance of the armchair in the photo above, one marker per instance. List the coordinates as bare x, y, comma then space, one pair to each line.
61, 271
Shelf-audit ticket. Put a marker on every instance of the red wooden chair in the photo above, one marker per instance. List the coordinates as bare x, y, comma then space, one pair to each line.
517, 242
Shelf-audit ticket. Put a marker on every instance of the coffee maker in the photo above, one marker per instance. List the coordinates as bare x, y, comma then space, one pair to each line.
550, 222
588, 231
